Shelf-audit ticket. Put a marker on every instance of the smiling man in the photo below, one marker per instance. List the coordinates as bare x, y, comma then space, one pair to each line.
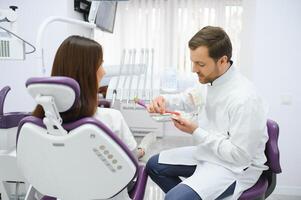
230, 134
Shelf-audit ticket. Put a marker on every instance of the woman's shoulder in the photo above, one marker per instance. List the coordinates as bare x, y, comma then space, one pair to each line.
112, 118
107, 112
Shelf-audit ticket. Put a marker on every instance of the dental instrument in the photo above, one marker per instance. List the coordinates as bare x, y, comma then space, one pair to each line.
141, 103
118, 77
125, 77
131, 75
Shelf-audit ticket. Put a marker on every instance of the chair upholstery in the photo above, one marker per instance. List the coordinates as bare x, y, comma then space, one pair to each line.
267, 181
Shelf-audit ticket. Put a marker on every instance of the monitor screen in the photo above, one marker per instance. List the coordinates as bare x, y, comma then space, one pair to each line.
105, 17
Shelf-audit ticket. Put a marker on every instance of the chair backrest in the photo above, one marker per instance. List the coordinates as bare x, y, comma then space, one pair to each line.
90, 162
272, 150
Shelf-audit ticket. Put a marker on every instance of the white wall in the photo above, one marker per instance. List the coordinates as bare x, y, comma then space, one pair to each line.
271, 52
31, 14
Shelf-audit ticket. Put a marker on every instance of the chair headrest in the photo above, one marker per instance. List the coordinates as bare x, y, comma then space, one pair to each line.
271, 150
64, 90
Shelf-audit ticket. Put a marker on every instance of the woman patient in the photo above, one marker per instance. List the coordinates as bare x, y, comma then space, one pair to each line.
81, 58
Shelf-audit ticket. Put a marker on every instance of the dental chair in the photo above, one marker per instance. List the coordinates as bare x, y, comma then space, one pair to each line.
75, 161
9, 173
267, 181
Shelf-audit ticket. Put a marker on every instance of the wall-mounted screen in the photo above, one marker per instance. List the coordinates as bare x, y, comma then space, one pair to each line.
105, 17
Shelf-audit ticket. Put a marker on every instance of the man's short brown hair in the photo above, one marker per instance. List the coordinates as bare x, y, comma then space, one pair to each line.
215, 39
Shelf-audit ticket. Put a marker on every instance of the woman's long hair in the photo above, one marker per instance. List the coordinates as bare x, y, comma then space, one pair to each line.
78, 58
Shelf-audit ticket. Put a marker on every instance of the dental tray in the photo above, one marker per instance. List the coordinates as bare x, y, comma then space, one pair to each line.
168, 116
161, 117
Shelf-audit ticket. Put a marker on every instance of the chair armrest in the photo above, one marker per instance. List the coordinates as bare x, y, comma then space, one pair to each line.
137, 193
12, 119
257, 191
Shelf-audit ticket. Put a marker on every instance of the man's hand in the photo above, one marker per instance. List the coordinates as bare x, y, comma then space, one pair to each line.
157, 105
183, 124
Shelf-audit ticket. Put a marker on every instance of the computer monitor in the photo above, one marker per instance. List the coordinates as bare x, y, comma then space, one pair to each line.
100, 12
105, 17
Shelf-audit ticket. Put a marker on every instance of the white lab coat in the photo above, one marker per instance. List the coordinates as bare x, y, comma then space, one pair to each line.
230, 140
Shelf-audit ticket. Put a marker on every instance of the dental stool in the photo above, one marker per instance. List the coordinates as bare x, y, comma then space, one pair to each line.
75, 161
267, 181
9, 173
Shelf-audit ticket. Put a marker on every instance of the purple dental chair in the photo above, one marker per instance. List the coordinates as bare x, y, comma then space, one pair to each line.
267, 181
79, 160
9, 173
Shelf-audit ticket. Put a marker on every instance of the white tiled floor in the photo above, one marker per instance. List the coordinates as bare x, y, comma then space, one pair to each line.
153, 192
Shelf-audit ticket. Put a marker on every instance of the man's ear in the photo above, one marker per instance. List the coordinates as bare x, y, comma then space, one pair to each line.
223, 60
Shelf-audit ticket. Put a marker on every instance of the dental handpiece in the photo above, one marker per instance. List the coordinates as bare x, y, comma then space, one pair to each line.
131, 75
118, 78
152, 75
145, 74
125, 77
141, 65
